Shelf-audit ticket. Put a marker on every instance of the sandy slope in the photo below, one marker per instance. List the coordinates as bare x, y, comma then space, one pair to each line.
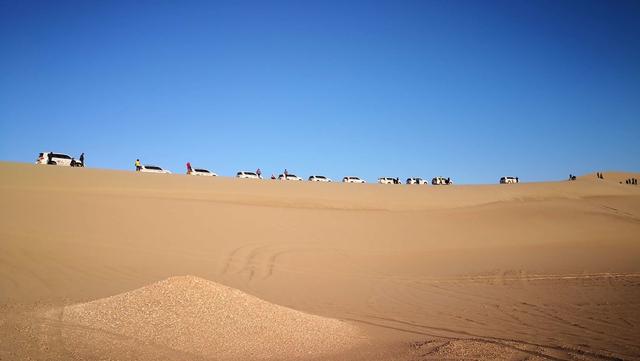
538, 271
193, 315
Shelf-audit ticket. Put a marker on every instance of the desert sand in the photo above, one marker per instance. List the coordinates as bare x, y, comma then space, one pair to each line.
114, 265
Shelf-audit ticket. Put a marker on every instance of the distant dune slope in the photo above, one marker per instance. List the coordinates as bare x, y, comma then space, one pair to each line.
553, 267
28, 177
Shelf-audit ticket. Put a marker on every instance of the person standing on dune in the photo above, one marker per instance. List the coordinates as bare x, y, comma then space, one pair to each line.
189, 170
259, 173
82, 160
138, 165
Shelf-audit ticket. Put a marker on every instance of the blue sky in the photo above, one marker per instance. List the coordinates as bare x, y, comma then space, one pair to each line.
472, 90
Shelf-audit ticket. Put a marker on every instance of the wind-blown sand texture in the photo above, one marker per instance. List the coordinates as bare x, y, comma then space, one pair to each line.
525, 271
193, 315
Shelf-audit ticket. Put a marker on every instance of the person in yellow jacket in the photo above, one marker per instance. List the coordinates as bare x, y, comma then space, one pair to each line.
138, 165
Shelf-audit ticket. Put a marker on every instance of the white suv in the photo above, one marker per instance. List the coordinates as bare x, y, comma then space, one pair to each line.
202, 172
56, 159
153, 169
508, 180
292, 177
319, 178
388, 180
416, 181
436, 181
350, 179
247, 175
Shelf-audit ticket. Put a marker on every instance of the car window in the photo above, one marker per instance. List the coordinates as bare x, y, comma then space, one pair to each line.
63, 156
202, 170
153, 167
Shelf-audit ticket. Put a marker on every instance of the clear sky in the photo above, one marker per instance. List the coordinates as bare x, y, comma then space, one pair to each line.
471, 90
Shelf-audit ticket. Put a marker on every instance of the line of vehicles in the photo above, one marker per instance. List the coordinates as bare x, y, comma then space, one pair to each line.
62, 159
292, 177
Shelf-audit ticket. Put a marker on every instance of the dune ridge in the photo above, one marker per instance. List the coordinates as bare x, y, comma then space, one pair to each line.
300, 195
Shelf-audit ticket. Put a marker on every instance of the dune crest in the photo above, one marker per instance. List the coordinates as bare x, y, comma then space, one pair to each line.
207, 319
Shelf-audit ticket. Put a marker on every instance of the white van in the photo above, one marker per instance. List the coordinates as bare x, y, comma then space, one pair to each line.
388, 180
351, 179
289, 177
153, 169
416, 180
202, 172
247, 175
56, 159
319, 178
438, 181
509, 180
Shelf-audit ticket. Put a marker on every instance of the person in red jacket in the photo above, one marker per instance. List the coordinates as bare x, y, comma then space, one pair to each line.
189, 168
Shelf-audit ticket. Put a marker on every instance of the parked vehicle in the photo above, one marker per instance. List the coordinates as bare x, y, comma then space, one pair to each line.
56, 159
153, 169
508, 180
202, 172
247, 175
319, 178
351, 179
416, 181
388, 180
441, 181
292, 177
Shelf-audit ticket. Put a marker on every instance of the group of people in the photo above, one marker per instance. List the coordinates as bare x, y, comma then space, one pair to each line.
273, 176
599, 175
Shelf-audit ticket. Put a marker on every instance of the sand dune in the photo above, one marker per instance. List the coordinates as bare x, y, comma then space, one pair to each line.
527, 271
193, 315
